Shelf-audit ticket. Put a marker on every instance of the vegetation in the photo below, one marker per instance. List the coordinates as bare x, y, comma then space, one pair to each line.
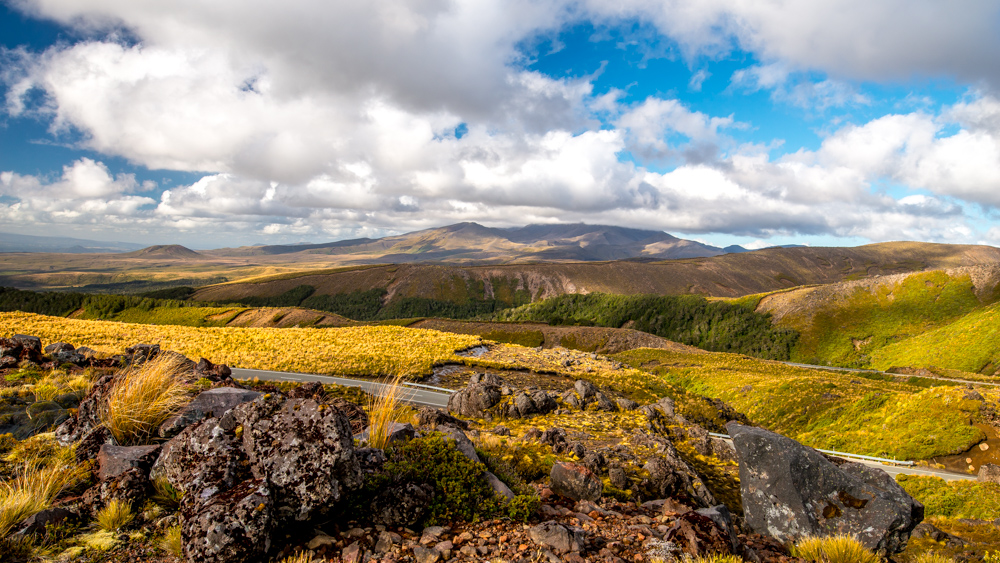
115, 515
172, 542
693, 320
830, 410
142, 398
363, 351
834, 549
954, 499
37, 471
384, 409
106, 307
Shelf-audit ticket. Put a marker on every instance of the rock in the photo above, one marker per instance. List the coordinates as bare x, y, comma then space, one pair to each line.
577, 449
212, 403
928, 530
10, 348
229, 527
90, 445
32, 343
555, 437
559, 537
115, 460
397, 432
35, 409
586, 390
88, 353
139, 354
487, 379
202, 460
499, 486
575, 481
352, 553
212, 372
386, 540
370, 460
698, 534
605, 404
524, 405
570, 399
432, 418
131, 486
304, 449
989, 473
627, 404
474, 400
58, 347
184, 364
426, 555
724, 520
462, 442
69, 400
790, 491
321, 540
402, 504
36, 523
618, 478
353, 412
87, 417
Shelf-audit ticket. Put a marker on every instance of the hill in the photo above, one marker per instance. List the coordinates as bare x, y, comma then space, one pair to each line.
849, 323
11, 242
165, 251
730, 275
471, 242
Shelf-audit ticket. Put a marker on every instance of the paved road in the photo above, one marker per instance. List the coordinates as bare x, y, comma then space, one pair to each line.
423, 395
415, 394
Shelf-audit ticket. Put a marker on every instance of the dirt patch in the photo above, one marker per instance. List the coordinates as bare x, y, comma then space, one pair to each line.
984, 452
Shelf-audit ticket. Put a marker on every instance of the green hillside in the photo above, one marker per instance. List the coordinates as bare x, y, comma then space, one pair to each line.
971, 343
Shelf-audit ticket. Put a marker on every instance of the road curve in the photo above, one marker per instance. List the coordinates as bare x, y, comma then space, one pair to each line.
438, 397
896, 375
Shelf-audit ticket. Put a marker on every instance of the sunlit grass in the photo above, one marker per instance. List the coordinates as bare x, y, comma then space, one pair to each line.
143, 398
34, 486
834, 549
115, 515
384, 409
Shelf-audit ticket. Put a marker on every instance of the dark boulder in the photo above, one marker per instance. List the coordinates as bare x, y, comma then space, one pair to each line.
230, 526
32, 343
575, 482
790, 491
627, 404
304, 449
667, 475
36, 523
10, 348
212, 372
559, 537
604, 403
397, 432
487, 379
91, 443
58, 347
88, 415
115, 460
586, 390
402, 504
988, 473
432, 418
202, 459
212, 403
473, 401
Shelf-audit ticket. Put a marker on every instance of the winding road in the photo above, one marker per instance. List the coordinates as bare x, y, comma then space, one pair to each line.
429, 396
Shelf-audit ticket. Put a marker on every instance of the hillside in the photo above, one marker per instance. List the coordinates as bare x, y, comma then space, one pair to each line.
165, 251
729, 275
848, 323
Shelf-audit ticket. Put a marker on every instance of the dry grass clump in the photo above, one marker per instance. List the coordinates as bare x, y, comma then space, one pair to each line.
58, 383
172, 542
384, 408
932, 557
34, 486
115, 515
305, 556
143, 398
834, 549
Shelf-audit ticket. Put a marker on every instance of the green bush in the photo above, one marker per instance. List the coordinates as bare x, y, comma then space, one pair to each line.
460, 492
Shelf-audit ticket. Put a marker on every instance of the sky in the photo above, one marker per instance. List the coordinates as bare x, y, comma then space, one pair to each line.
764, 122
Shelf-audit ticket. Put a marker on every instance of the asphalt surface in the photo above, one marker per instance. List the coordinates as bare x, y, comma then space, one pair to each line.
422, 395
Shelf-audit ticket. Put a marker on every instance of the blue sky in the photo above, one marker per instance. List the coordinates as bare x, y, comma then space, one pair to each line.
821, 122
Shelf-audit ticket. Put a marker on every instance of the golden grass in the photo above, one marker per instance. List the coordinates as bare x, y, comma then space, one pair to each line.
932, 557
172, 542
115, 515
365, 350
834, 549
300, 557
58, 383
33, 487
384, 408
143, 398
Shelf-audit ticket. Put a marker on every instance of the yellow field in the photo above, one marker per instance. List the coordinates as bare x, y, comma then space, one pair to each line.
366, 350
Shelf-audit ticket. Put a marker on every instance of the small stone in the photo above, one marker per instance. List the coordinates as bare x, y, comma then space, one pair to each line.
426, 555
352, 553
321, 540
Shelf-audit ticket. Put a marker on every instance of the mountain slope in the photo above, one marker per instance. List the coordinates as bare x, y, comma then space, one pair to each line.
10, 242
165, 251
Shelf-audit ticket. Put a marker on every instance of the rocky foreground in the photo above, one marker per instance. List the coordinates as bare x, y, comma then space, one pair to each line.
262, 473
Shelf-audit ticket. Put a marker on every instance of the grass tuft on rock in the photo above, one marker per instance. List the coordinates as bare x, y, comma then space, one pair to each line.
385, 407
143, 398
172, 542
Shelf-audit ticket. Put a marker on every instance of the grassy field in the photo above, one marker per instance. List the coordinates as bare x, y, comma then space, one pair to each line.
846, 324
364, 351
837, 411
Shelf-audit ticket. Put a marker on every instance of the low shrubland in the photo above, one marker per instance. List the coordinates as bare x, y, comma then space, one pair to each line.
365, 351
823, 409
693, 320
954, 499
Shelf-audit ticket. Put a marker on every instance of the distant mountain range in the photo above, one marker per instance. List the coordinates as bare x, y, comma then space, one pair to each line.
10, 242
472, 242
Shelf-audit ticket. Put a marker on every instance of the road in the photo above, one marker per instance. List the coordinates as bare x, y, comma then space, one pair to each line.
897, 375
424, 395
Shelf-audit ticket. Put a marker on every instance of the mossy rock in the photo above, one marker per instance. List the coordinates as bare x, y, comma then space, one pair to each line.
36, 409
70, 400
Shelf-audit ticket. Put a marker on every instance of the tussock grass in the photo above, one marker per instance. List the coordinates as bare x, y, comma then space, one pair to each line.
58, 383
834, 549
305, 556
34, 486
172, 542
165, 495
384, 408
143, 398
933, 557
115, 515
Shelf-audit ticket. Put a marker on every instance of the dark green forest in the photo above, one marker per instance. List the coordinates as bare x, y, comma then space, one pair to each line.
711, 325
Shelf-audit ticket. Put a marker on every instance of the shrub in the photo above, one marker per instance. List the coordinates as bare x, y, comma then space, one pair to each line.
143, 398
834, 549
115, 515
384, 408
460, 492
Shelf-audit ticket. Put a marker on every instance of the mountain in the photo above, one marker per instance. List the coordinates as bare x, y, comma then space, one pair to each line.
10, 242
472, 242
170, 251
